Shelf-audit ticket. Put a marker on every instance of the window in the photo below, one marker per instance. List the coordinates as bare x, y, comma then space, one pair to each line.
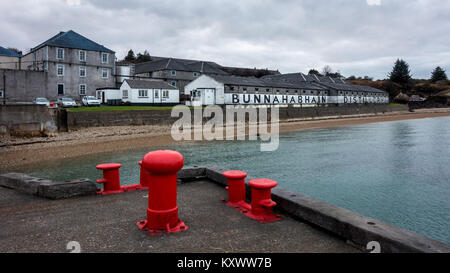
60, 53
156, 94
1, 93
245, 88
195, 74
174, 83
82, 90
143, 93
165, 94
231, 88
104, 58
82, 71
60, 70
82, 55
105, 73
124, 94
173, 72
268, 89
256, 89
60, 89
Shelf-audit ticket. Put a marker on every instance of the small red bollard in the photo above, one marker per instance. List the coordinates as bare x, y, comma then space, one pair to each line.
262, 204
111, 178
236, 189
143, 178
162, 212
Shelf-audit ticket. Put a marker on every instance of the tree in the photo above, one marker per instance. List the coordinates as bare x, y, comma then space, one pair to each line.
130, 56
438, 74
145, 57
314, 72
326, 70
400, 72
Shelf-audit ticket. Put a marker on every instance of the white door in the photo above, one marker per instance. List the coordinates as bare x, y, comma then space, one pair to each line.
208, 96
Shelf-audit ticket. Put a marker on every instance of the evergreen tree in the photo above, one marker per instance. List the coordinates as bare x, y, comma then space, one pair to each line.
400, 72
145, 57
130, 56
438, 74
314, 72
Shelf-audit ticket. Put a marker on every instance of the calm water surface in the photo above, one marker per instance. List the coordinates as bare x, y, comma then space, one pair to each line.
397, 172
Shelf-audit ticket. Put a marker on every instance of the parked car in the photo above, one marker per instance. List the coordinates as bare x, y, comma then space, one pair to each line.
90, 101
67, 102
41, 101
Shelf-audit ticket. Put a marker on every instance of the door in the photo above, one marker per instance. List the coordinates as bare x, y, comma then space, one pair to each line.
103, 97
208, 96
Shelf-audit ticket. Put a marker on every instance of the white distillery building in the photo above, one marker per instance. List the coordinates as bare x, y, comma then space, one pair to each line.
149, 92
296, 89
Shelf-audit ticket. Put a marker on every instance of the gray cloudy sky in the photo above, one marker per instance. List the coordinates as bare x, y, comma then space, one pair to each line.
356, 37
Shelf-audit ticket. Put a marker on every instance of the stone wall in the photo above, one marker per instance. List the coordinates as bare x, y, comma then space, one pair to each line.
162, 117
28, 120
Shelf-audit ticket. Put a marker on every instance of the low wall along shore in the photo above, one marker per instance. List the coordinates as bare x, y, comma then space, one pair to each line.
36, 120
77, 120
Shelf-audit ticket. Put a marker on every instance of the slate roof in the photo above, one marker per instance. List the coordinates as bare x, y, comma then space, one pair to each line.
161, 63
252, 81
71, 39
320, 81
149, 84
8, 52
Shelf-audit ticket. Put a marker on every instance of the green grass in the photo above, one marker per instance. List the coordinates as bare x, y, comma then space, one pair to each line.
118, 108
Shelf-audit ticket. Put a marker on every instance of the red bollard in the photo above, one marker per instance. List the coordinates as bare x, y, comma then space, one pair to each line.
162, 212
262, 204
111, 178
143, 178
236, 189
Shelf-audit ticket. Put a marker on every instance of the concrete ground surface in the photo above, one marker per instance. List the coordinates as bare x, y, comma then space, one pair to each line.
108, 224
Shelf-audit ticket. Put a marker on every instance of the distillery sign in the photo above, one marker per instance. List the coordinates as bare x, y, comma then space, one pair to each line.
233, 98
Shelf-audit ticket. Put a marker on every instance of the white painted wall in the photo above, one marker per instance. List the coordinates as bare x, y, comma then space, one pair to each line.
153, 95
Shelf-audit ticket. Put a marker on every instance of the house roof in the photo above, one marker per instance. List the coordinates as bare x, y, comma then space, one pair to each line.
161, 63
252, 81
8, 52
149, 84
71, 39
320, 81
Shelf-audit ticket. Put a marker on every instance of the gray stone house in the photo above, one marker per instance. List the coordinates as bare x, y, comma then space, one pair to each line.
177, 72
74, 65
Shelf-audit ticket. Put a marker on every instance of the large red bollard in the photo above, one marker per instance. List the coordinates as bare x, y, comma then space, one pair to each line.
236, 189
111, 178
143, 178
262, 203
162, 212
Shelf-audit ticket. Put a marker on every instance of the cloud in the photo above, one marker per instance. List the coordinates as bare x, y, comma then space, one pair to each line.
373, 2
350, 36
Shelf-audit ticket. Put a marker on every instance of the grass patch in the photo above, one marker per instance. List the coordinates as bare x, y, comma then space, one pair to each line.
118, 108
397, 104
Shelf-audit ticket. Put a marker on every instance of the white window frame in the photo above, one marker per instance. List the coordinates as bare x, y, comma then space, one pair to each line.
57, 70
174, 83
156, 94
165, 94
125, 91
1, 93
107, 57
107, 73
80, 69
195, 74
57, 89
144, 93
85, 55
57, 51
85, 89
173, 72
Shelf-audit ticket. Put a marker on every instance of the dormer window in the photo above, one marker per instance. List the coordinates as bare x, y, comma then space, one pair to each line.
195, 74
60, 53
173, 72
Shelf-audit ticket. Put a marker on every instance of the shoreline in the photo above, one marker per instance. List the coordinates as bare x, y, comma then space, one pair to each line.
18, 152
